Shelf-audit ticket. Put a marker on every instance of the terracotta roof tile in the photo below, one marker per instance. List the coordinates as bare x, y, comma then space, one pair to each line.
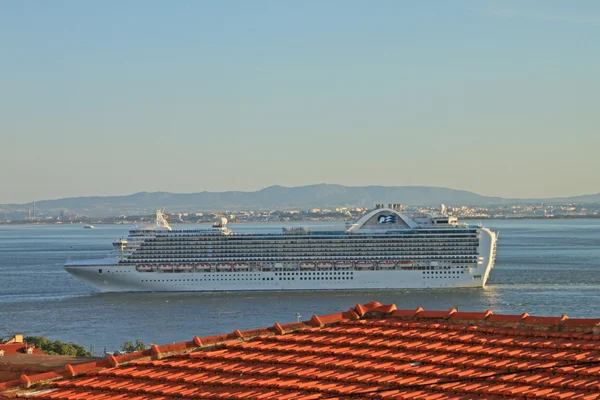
436, 314
371, 351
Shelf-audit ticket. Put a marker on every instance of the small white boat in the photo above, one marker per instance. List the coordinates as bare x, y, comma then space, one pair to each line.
223, 267
240, 267
144, 268
364, 264
307, 265
324, 265
165, 267
405, 264
202, 267
343, 265
387, 264
88, 227
184, 267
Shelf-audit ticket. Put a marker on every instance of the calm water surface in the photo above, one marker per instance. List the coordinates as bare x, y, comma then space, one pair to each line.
543, 268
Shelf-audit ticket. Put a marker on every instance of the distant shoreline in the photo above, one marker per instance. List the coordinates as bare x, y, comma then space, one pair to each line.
21, 223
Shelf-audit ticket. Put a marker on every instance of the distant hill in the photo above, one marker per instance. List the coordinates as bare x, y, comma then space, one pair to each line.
276, 197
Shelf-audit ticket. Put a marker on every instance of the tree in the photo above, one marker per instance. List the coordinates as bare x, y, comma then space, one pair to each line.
139, 345
129, 347
57, 347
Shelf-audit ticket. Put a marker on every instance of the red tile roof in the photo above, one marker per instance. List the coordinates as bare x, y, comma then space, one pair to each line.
18, 348
371, 351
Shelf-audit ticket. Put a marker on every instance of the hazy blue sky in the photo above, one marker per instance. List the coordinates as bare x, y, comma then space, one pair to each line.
111, 98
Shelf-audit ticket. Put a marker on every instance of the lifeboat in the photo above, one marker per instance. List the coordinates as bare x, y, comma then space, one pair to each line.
387, 264
307, 265
343, 265
240, 267
364, 264
324, 265
144, 268
405, 263
223, 267
184, 267
202, 267
165, 267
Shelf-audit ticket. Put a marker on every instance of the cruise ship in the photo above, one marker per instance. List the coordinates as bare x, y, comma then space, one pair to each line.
386, 248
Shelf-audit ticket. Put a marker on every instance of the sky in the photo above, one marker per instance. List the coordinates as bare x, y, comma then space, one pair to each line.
117, 97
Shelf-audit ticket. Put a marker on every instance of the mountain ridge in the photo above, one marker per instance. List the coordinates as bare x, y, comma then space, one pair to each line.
320, 195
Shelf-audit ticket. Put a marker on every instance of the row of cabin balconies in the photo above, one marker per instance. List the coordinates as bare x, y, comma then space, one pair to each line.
307, 243
180, 249
311, 241
280, 260
240, 238
312, 250
349, 252
464, 250
302, 258
366, 246
343, 247
312, 235
293, 267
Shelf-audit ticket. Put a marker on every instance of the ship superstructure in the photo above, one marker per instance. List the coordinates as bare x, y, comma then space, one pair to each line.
384, 249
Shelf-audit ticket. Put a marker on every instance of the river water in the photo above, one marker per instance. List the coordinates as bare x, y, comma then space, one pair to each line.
544, 267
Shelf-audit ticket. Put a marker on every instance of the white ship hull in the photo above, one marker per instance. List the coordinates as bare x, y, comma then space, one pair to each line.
115, 278
409, 258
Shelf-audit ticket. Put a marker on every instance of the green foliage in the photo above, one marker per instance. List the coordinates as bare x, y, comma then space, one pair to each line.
139, 345
56, 347
129, 347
